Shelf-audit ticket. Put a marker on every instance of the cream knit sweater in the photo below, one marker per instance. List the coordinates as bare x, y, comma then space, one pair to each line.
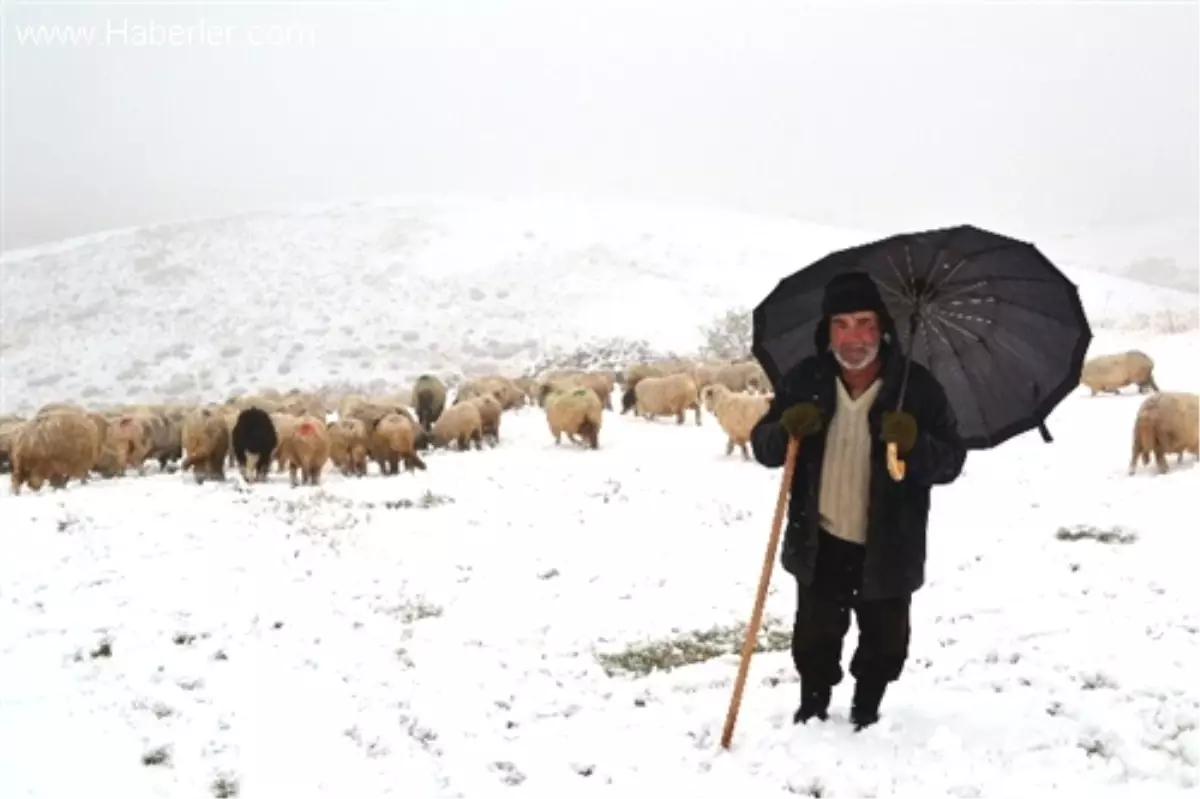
846, 468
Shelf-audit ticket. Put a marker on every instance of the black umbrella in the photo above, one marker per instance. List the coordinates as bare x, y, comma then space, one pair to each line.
1001, 328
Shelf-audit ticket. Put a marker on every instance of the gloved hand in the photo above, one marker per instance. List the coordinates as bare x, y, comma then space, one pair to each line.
801, 420
899, 428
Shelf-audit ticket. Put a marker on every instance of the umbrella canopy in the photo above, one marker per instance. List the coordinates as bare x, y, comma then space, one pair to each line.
1000, 327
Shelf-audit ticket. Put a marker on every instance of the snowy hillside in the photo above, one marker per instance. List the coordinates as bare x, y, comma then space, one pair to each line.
1166, 253
534, 620
485, 628
380, 291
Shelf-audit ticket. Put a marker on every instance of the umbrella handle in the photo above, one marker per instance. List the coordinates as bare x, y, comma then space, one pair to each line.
896, 467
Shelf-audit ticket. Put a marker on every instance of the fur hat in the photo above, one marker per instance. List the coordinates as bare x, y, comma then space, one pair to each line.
851, 292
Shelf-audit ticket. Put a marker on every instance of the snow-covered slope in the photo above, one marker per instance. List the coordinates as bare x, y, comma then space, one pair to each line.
380, 291
477, 629
1164, 253
447, 634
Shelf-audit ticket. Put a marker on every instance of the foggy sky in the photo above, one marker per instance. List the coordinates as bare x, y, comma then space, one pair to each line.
1049, 116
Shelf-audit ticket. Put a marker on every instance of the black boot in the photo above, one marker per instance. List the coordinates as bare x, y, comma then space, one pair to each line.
813, 702
864, 708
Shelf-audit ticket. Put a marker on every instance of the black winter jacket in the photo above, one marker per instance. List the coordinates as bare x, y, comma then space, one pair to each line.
898, 512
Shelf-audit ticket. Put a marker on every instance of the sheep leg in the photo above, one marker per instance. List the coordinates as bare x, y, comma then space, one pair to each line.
745, 451
729, 444
477, 437
679, 417
1161, 460
696, 408
292, 474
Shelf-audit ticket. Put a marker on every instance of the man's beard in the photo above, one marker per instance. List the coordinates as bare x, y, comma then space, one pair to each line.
866, 359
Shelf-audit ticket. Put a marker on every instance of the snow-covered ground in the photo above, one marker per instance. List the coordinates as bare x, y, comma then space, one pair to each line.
441, 634
381, 291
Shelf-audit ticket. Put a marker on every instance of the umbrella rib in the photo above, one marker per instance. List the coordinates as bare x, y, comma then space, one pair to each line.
974, 256
899, 278
1027, 309
953, 271
988, 342
968, 377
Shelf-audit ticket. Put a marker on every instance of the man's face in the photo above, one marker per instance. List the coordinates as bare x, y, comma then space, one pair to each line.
854, 339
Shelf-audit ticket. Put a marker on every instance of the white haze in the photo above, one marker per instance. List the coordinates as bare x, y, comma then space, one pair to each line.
1030, 116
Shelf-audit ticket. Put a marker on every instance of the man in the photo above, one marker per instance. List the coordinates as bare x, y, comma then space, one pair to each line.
855, 538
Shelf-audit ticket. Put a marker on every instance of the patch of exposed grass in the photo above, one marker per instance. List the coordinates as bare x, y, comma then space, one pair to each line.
1086, 532
413, 610
423, 502
695, 646
158, 756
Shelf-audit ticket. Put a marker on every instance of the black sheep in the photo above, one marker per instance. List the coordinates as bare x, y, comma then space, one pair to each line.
254, 440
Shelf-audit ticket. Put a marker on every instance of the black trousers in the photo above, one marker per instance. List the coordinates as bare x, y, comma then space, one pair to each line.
823, 617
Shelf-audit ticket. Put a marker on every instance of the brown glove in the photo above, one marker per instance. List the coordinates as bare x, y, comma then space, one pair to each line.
801, 420
899, 428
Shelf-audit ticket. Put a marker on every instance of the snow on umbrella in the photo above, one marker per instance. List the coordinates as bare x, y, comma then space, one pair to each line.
1001, 328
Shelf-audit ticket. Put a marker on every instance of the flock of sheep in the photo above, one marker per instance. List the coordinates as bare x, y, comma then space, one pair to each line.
302, 432
1166, 421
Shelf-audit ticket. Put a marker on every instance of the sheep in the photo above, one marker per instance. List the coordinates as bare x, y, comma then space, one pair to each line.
600, 382
489, 414
206, 442
309, 450
348, 448
705, 373
461, 423
576, 412
504, 389
57, 407
129, 436
9, 427
636, 373
1166, 423
429, 394
303, 404
663, 396
737, 413
110, 462
254, 440
285, 424
54, 447
392, 442
746, 376
165, 434
370, 411
1111, 373
529, 387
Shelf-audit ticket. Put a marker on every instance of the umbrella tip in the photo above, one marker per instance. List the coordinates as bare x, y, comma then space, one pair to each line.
1049, 439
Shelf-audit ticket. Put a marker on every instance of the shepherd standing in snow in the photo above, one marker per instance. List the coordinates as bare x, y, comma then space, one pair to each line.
855, 538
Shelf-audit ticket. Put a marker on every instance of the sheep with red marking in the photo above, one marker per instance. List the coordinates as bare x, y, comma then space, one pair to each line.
309, 450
